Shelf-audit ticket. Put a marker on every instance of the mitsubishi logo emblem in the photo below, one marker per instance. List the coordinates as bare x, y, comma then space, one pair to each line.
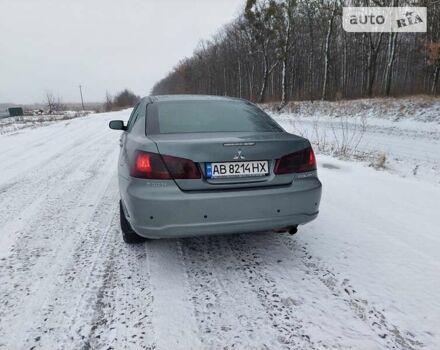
239, 156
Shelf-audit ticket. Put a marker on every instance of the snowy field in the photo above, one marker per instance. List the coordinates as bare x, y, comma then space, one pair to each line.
404, 132
10, 125
364, 275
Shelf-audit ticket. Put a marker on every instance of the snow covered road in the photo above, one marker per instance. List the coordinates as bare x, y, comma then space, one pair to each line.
364, 275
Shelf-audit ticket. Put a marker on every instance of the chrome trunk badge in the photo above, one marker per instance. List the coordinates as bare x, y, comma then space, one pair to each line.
239, 156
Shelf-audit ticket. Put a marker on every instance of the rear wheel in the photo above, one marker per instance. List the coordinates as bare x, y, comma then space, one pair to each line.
128, 235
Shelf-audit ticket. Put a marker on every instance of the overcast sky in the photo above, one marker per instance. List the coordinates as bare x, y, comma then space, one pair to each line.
54, 45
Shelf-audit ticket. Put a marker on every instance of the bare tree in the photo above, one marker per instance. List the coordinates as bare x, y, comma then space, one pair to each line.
261, 18
54, 103
391, 55
108, 104
286, 26
123, 99
50, 101
433, 51
373, 51
331, 18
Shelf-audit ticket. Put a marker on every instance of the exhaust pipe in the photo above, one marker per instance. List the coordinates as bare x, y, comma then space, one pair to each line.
293, 230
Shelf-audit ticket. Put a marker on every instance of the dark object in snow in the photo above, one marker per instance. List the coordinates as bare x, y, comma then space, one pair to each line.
293, 230
15, 111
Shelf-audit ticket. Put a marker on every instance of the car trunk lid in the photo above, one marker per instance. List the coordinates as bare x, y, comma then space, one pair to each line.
204, 148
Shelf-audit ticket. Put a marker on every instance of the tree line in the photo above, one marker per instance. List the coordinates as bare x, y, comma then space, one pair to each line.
123, 99
280, 50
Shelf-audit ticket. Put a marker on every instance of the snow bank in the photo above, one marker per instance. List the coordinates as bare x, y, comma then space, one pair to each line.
403, 132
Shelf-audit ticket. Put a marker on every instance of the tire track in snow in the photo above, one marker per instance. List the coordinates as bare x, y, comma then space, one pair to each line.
44, 250
388, 334
292, 333
59, 158
217, 284
173, 315
33, 151
49, 134
76, 276
302, 312
89, 281
122, 316
255, 279
30, 193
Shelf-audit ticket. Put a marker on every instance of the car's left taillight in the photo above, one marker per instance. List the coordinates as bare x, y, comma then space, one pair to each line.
149, 165
298, 162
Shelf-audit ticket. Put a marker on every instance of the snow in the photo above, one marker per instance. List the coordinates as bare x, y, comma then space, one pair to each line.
405, 131
364, 275
10, 125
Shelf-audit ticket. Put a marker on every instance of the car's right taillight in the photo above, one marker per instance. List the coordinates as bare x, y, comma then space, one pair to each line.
181, 168
149, 165
298, 162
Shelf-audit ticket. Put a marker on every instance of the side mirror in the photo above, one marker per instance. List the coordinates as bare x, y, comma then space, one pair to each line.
117, 125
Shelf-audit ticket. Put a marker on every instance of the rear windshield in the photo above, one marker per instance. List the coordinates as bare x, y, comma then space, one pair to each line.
207, 116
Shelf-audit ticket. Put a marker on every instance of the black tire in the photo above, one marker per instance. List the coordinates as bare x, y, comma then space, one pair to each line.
128, 235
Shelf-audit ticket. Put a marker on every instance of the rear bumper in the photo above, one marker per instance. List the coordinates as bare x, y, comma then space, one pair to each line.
159, 209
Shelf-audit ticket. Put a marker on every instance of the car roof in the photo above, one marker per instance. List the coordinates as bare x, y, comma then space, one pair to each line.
169, 98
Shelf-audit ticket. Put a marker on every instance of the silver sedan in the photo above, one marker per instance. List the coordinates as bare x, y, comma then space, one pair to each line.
204, 165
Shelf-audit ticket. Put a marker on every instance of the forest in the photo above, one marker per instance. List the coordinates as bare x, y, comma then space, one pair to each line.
281, 50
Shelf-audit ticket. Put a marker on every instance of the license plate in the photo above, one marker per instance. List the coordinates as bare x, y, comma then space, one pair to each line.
235, 169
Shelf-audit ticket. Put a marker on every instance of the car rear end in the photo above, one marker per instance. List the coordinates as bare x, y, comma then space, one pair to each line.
201, 170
